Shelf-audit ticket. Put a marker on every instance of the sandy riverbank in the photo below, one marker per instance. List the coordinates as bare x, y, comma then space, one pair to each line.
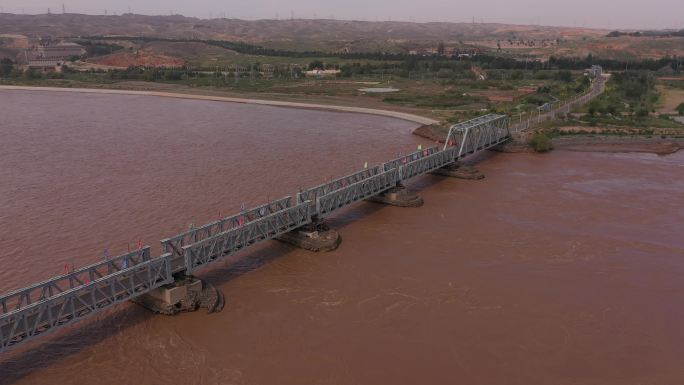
359, 110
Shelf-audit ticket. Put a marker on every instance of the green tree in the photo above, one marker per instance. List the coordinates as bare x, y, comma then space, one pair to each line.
541, 142
642, 112
680, 108
564, 76
517, 75
441, 49
316, 64
593, 107
6, 67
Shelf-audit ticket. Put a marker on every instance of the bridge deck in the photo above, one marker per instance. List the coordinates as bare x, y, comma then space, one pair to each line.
40, 308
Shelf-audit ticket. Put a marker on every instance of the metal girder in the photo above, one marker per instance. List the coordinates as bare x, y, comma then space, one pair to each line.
21, 298
478, 134
428, 164
326, 188
75, 304
493, 125
402, 160
175, 244
361, 190
224, 244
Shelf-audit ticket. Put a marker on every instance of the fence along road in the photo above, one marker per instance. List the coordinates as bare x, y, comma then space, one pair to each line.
597, 88
63, 300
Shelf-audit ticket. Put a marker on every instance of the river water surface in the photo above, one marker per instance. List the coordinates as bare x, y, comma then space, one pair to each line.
556, 269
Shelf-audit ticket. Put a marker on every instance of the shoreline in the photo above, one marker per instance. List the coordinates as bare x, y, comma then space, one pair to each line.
619, 144
225, 99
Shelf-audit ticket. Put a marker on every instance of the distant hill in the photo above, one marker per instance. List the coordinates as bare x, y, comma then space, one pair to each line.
309, 34
334, 36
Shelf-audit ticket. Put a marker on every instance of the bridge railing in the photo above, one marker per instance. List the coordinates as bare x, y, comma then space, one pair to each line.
74, 304
402, 160
27, 296
366, 188
175, 244
229, 242
326, 188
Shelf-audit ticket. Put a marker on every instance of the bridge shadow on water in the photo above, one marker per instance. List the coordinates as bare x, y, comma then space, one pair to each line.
19, 363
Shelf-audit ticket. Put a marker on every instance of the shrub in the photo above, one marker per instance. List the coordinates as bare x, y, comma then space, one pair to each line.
680, 108
6, 67
541, 142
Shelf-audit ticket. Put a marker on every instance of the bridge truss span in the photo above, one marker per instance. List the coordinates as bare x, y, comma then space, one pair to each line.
72, 278
478, 134
230, 242
428, 164
340, 183
174, 245
85, 300
366, 188
402, 160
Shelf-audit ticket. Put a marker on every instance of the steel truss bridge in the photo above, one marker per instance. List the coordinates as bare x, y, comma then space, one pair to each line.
63, 300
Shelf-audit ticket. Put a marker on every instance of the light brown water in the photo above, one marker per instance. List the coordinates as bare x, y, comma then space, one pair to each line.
557, 269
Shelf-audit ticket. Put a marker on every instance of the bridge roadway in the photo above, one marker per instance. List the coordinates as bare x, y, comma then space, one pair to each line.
63, 300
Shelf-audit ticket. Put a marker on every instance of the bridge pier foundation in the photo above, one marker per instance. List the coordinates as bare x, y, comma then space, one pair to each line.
456, 170
399, 196
316, 236
185, 294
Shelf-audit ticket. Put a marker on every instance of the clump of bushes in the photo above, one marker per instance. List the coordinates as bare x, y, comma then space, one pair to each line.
541, 142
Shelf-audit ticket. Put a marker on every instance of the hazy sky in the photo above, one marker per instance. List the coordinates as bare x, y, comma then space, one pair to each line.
590, 13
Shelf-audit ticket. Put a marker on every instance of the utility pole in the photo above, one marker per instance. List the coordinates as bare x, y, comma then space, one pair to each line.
63, 9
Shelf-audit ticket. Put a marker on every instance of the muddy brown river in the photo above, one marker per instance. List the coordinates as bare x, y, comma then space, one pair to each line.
563, 268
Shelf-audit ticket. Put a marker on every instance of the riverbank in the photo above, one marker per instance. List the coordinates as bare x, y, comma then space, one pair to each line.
229, 99
613, 144
661, 144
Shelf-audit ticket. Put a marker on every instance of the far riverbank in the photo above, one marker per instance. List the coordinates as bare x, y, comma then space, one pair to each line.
614, 143
277, 103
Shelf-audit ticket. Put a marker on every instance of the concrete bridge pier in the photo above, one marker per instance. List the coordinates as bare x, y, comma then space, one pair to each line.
457, 170
185, 294
399, 196
317, 236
